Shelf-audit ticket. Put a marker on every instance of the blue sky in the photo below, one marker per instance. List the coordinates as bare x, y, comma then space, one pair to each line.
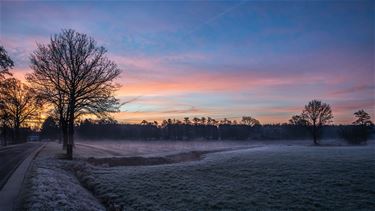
266, 59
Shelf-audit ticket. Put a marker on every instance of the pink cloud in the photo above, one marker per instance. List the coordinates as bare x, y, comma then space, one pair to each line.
354, 89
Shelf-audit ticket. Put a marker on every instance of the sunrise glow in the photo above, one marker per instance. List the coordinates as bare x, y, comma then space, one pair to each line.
217, 59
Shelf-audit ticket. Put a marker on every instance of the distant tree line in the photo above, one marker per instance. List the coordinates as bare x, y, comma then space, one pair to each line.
201, 129
182, 131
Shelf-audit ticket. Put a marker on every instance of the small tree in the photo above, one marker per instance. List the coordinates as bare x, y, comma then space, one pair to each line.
363, 118
316, 114
209, 121
359, 132
50, 129
186, 120
248, 120
203, 120
196, 120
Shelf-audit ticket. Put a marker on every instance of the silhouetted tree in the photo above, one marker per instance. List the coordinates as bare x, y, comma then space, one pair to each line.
225, 121
186, 120
248, 120
209, 121
298, 120
214, 122
196, 120
316, 115
360, 131
73, 64
203, 120
50, 129
6, 63
363, 118
19, 103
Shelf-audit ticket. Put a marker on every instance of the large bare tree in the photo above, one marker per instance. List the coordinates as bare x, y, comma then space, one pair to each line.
18, 103
75, 76
315, 115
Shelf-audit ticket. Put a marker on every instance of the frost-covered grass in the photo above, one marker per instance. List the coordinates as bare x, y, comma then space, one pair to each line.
52, 185
268, 177
276, 175
108, 148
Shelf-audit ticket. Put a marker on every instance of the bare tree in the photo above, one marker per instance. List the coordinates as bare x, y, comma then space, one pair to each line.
225, 121
316, 114
75, 76
248, 120
209, 120
214, 122
298, 120
203, 120
186, 120
196, 120
19, 103
6, 63
363, 118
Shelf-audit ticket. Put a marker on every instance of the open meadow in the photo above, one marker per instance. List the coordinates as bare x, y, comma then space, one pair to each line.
244, 175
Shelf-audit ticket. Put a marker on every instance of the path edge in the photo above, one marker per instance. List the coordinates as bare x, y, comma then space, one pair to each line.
10, 193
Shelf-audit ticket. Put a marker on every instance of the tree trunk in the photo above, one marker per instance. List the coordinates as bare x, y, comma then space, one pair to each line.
64, 134
315, 138
70, 144
315, 134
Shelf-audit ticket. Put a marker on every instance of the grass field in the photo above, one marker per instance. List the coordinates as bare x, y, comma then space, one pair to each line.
266, 177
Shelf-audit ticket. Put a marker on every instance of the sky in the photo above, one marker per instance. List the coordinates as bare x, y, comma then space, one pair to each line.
264, 59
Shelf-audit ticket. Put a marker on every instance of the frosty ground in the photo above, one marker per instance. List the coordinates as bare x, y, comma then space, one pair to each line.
248, 175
